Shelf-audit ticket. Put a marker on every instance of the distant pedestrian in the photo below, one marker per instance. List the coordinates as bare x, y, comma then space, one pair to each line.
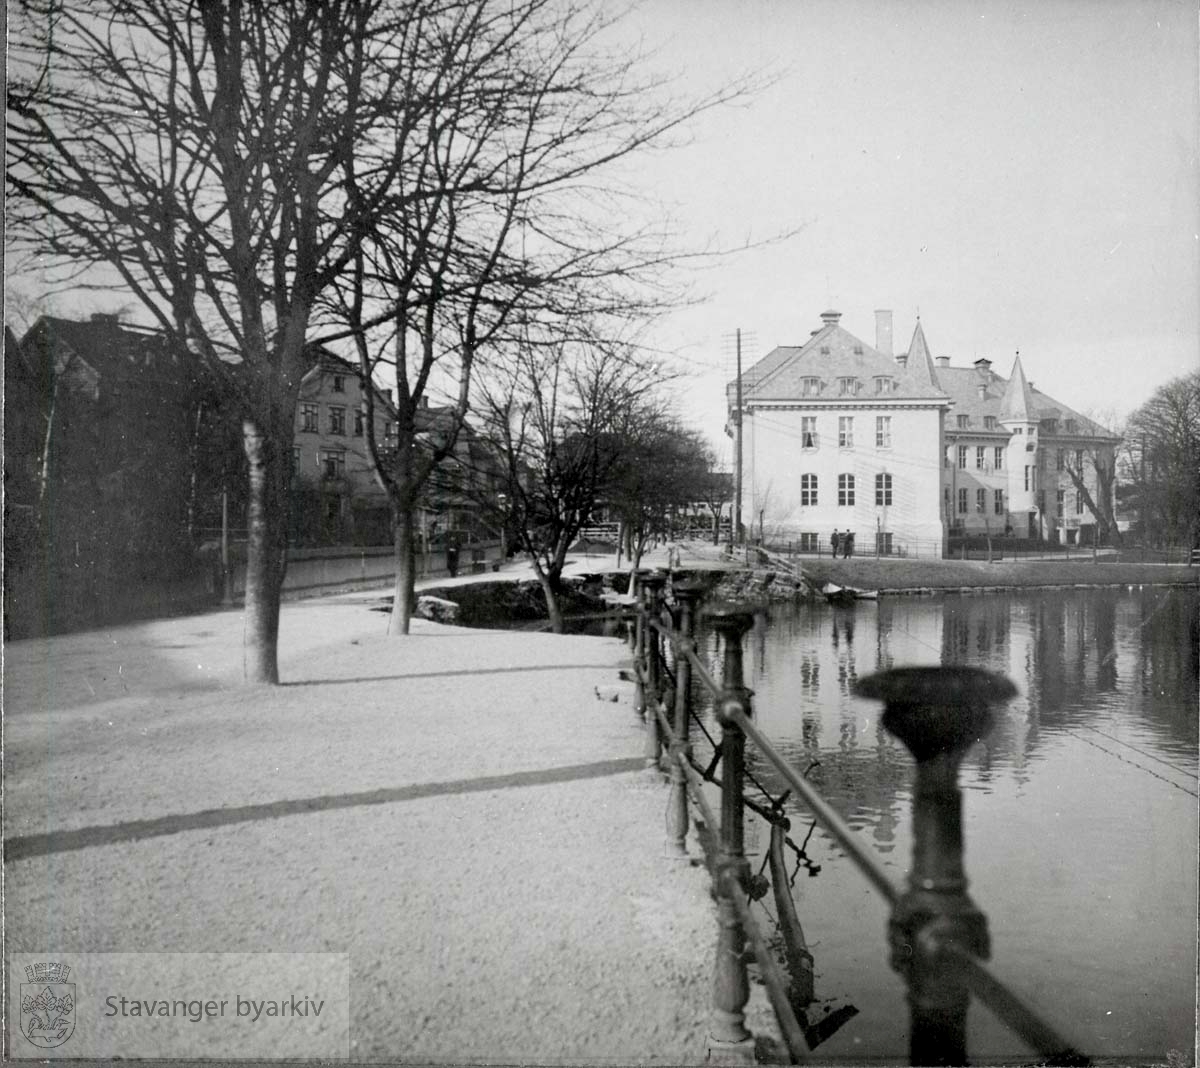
452, 559
848, 545
835, 540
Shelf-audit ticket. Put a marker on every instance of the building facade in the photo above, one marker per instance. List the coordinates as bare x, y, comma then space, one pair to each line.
1019, 462
839, 435
904, 450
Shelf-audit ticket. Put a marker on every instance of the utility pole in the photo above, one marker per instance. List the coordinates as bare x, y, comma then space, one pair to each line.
738, 539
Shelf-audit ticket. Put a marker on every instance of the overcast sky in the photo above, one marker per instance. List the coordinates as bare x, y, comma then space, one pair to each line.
1024, 174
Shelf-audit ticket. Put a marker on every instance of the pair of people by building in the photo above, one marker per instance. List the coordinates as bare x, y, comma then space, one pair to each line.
844, 542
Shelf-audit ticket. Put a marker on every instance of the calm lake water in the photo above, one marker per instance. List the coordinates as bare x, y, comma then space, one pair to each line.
1080, 807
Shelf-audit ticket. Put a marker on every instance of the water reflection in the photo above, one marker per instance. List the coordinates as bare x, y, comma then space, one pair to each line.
1086, 794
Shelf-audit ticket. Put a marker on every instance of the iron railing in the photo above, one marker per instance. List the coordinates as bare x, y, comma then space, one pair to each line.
938, 936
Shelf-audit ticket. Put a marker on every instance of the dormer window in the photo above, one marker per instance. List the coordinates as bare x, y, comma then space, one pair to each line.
810, 387
1072, 426
963, 422
883, 384
1050, 426
847, 387
989, 422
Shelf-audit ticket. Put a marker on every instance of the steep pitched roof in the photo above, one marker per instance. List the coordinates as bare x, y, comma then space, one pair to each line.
978, 394
920, 362
832, 352
1017, 404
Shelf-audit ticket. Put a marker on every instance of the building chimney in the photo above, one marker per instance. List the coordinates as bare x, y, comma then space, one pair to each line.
830, 318
883, 332
902, 359
943, 361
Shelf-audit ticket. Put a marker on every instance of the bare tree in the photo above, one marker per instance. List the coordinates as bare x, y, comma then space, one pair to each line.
554, 421
222, 161
660, 468
509, 221
1162, 465
1092, 451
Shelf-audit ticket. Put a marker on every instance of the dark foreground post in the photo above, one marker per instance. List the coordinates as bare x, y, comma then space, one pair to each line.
639, 647
653, 585
686, 595
728, 1039
937, 713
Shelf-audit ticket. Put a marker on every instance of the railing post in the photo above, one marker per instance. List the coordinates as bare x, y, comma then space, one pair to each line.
639, 646
686, 595
937, 713
728, 1039
653, 586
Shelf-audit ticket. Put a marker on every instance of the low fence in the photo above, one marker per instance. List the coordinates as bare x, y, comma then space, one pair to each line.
313, 570
976, 548
938, 936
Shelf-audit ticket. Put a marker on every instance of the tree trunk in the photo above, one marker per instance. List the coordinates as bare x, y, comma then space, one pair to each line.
553, 608
266, 552
404, 593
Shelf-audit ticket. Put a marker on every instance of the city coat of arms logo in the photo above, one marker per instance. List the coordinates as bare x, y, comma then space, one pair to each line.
47, 1005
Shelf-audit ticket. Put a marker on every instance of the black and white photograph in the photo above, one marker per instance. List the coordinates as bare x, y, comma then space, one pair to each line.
569, 532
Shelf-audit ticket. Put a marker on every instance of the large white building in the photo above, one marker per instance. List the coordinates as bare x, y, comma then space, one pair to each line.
901, 450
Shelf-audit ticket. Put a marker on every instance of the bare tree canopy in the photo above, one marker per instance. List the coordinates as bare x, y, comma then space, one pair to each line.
425, 178
1161, 470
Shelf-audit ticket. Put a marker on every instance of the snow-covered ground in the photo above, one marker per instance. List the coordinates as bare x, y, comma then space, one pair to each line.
361, 808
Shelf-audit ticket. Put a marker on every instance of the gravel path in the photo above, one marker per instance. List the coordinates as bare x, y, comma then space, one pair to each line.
400, 800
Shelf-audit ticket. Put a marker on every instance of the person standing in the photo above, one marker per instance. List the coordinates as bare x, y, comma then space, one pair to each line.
847, 545
835, 541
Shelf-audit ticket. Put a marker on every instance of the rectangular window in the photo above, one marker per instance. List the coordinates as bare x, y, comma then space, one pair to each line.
810, 387
883, 490
337, 420
845, 431
979, 455
360, 418
309, 413
847, 387
333, 463
1028, 477
883, 543
989, 422
1060, 460
339, 383
1060, 496
1019, 430
1079, 460
998, 459
808, 490
295, 459
946, 497
808, 431
845, 489
1078, 503
962, 502
998, 504
1071, 426
809, 542
883, 385
962, 456
963, 422
883, 432
980, 501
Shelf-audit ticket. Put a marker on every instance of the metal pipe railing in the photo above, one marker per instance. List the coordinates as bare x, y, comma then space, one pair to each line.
938, 935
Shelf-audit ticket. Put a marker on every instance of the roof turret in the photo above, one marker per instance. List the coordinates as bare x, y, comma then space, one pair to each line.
920, 362
1017, 404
